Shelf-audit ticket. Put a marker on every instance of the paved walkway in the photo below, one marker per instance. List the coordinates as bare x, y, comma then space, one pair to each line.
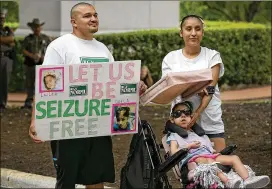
17, 99
247, 94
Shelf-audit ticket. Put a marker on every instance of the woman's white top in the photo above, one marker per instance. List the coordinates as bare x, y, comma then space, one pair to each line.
175, 61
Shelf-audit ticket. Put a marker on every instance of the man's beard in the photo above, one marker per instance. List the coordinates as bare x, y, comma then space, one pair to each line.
93, 30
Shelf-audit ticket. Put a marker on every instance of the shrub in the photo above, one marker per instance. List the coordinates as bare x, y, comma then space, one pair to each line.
245, 50
12, 25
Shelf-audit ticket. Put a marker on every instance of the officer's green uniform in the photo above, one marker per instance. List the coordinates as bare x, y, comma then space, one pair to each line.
6, 62
36, 45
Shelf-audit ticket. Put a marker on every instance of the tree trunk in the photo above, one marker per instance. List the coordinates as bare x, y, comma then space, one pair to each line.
252, 10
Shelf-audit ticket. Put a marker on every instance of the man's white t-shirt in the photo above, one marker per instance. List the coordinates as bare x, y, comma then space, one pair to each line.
69, 49
175, 61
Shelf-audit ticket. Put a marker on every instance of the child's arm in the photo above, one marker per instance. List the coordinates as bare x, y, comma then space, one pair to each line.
209, 144
195, 144
174, 146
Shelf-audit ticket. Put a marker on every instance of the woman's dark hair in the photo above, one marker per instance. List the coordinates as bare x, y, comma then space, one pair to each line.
191, 16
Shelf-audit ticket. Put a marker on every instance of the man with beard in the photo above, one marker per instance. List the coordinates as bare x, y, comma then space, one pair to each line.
87, 161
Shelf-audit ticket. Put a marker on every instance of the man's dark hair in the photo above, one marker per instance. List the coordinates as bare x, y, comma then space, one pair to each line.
191, 16
78, 4
119, 109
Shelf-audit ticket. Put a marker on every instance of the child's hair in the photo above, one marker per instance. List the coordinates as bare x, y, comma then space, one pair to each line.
119, 109
191, 16
188, 104
46, 75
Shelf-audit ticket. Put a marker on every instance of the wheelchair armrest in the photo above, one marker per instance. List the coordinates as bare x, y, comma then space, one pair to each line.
228, 150
172, 161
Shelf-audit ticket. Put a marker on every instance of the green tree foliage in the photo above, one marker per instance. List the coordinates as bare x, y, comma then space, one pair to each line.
250, 11
244, 48
13, 10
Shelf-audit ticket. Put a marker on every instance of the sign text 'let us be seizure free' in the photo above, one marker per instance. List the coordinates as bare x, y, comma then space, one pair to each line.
87, 100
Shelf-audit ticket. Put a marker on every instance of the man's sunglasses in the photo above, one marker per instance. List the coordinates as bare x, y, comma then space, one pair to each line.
177, 114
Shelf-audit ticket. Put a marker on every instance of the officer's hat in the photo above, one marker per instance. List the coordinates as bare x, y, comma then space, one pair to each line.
35, 22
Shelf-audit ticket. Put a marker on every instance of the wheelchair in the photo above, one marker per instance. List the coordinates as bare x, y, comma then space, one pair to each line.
145, 167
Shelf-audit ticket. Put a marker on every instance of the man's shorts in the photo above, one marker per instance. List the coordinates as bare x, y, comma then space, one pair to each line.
219, 135
84, 161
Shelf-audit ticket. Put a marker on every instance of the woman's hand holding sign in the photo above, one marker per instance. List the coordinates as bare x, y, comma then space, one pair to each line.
143, 87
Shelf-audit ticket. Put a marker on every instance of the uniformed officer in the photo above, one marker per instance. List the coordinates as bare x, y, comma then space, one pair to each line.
6, 50
34, 47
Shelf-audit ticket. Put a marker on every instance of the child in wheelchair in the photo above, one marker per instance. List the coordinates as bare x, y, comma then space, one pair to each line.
201, 153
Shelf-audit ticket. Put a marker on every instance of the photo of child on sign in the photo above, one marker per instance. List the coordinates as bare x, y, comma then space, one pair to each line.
123, 118
51, 80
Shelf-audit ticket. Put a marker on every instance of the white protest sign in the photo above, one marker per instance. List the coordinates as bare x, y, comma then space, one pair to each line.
87, 100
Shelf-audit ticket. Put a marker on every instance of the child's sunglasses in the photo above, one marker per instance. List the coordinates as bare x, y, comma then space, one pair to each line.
177, 114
